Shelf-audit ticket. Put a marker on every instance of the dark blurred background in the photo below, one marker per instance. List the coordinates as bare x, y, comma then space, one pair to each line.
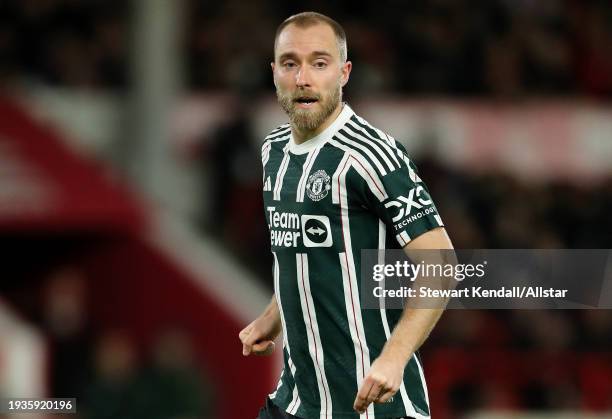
131, 218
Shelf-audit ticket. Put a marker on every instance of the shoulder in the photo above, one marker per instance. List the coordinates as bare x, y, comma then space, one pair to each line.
379, 134
370, 145
278, 136
279, 133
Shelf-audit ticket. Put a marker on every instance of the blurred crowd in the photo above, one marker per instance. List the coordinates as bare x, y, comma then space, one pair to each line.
110, 374
497, 210
68, 43
497, 48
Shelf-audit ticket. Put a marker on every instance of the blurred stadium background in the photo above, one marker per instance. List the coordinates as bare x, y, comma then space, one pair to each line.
131, 225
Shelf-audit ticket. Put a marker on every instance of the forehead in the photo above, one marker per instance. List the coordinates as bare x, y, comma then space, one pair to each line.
305, 40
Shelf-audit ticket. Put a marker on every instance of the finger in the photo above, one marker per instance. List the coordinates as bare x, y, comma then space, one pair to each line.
245, 332
385, 396
246, 344
263, 348
375, 391
361, 395
249, 339
361, 401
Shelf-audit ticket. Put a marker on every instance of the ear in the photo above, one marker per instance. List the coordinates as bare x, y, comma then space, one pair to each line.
346, 71
273, 66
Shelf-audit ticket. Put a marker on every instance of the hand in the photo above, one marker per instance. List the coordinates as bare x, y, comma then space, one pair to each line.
381, 383
258, 337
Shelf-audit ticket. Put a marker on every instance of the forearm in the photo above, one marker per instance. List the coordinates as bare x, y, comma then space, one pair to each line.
420, 316
410, 332
272, 314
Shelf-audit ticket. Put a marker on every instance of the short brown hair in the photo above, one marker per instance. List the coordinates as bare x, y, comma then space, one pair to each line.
307, 19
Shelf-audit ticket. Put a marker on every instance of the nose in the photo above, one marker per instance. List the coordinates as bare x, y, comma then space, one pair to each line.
302, 77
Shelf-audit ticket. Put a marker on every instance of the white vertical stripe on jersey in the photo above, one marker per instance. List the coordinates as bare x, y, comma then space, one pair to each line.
312, 334
382, 235
265, 152
421, 373
308, 163
364, 168
344, 163
374, 183
351, 293
280, 383
362, 149
265, 155
278, 184
295, 402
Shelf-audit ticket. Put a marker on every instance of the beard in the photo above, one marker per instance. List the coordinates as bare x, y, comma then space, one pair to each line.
309, 119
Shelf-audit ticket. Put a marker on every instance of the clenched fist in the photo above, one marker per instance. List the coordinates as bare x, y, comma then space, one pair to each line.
381, 383
258, 337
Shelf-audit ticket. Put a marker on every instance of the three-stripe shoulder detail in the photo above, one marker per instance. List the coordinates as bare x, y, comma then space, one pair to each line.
363, 165
279, 132
282, 133
282, 136
377, 138
375, 152
393, 147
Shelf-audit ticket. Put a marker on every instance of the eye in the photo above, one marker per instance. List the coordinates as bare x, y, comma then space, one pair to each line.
289, 64
320, 64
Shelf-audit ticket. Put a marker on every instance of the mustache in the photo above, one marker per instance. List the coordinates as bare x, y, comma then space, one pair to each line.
304, 94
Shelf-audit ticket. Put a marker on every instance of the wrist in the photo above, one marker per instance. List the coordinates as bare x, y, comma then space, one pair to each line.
272, 318
398, 352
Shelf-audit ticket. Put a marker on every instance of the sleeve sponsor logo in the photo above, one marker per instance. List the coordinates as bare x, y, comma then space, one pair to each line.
418, 200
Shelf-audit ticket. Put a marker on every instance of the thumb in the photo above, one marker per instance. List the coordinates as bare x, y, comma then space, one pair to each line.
246, 349
263, 348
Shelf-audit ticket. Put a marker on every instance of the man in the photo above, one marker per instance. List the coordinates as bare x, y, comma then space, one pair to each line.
332, 184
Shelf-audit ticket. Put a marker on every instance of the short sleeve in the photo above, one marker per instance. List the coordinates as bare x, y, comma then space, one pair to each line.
401, 199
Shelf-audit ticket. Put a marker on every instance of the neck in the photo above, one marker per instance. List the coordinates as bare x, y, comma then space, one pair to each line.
301, 136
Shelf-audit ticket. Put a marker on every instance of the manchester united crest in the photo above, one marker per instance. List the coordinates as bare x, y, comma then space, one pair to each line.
318, 185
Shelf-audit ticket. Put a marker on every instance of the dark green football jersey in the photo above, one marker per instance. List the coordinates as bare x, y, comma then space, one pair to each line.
350, 188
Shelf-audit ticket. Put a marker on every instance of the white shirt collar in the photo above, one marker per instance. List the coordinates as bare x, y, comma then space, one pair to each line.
320, 139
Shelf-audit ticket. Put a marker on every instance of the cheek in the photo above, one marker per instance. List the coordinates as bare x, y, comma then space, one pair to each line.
282, 82
333, 84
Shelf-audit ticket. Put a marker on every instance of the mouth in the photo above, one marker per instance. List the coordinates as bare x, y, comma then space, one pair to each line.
305, 101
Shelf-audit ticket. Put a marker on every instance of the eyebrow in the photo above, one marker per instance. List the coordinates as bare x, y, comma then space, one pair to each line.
294, 55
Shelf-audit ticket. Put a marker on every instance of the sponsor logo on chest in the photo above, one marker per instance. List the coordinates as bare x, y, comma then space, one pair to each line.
288, 228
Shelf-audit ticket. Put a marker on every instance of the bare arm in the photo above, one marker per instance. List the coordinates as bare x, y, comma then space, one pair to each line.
415, 325
258, 337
